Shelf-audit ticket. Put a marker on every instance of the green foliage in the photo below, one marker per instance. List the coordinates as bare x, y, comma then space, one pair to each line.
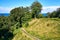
17, 13
41, 16
20, 14
48, 14
54, 14
36, 9
26, 17
58, 13
5, 34
26, 24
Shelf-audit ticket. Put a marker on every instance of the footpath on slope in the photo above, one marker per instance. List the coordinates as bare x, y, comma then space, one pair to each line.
27, 34
32, 23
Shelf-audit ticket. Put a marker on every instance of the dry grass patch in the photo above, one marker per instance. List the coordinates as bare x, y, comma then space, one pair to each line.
44, 28
21, 36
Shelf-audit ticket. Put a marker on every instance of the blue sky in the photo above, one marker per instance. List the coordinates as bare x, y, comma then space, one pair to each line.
48, 5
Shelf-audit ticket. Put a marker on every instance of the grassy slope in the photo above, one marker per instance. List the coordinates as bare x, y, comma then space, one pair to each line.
44, 29
19, 35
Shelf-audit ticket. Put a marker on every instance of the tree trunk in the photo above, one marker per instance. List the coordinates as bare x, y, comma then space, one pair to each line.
20, 22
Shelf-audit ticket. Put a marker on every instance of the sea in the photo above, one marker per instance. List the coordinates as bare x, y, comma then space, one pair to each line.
44, 14
7, 14
4, 14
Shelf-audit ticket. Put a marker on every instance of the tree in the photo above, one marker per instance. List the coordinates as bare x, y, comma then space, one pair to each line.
36, 9
48, 14
17, 14
41, 15
54, 14
5, 34
20, 14
58, 13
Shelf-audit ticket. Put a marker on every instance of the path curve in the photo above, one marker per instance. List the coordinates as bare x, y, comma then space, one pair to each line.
32, 37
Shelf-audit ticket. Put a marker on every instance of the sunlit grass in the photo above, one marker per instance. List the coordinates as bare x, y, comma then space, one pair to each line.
45, 28
19, 35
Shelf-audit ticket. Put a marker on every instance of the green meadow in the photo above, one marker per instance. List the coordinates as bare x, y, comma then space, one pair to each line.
42, 29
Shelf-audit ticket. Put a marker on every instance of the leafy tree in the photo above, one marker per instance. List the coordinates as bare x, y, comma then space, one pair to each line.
36, 9
17, 14
54, 14
41, 15
3, 22
48, 14
20, 14
5, 34
58, 13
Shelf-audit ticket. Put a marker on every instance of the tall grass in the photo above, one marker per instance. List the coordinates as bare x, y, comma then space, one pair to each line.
45, 29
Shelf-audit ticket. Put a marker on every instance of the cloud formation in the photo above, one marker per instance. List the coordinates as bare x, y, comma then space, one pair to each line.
49, 9
5, 9
44, 9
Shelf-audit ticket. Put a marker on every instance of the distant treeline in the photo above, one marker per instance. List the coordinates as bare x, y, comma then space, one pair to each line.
54, 14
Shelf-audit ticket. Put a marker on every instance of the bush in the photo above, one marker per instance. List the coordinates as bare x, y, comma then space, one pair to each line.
26, 24
40, 16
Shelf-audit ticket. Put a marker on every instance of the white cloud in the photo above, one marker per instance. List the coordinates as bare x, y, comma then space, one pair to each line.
49, 9
5, 9
44, 9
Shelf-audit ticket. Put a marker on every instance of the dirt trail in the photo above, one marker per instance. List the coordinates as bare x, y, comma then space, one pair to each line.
27, 34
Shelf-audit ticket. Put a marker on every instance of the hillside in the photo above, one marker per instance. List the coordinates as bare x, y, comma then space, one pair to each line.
40, 29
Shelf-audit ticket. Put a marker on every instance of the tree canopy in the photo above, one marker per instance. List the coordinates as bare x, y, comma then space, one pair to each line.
36, 8
54, 14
